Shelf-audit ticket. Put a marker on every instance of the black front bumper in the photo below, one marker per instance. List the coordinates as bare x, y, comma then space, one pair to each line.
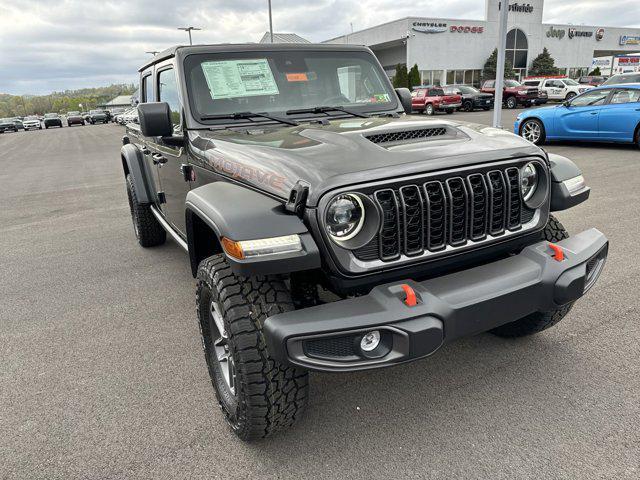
327, 337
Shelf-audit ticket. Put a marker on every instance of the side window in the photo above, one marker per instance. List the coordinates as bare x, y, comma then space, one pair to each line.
626, 96
590, 98
147, 89
168, 92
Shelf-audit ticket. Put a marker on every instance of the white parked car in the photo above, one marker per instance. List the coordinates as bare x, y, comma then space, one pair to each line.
557, 88
32, 122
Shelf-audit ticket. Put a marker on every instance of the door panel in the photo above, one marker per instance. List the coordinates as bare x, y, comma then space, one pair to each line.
170, 159
579, 120
618, 119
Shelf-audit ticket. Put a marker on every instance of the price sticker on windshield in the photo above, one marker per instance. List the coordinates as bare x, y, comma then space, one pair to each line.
239, 78
297, 77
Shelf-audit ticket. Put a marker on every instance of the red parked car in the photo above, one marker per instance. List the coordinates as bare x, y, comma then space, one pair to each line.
515, 93
428, 100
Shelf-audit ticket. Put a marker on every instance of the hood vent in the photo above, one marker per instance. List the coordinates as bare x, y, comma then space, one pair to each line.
407, 136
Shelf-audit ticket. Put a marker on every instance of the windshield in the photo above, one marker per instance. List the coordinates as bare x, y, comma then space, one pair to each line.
279, 81
31, 118
617, 79
511, 83
73, 113
467, 89
50, 115
96, 111
570, 81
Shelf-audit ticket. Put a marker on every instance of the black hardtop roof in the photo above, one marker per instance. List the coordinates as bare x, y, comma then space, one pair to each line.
184, 50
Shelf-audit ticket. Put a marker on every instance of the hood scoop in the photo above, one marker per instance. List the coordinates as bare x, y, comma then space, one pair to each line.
402, 137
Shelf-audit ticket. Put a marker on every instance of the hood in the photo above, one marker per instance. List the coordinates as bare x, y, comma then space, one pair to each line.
350, 151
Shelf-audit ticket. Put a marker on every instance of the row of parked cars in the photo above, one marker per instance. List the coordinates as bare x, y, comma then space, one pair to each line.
49, 120
532, 91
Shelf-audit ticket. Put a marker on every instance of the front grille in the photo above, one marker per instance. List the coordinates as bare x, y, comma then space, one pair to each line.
532, 93
449, 212
401, 136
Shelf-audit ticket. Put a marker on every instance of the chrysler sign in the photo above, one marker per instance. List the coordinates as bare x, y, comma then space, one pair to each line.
429, 27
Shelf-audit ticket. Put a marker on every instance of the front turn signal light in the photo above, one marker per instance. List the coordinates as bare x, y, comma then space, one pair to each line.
245, 249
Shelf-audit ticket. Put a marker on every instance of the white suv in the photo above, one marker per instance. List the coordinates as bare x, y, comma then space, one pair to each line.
557, 88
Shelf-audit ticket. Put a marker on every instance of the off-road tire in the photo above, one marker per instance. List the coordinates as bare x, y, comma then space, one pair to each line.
146, 227
511, 102
269, 396
554, 231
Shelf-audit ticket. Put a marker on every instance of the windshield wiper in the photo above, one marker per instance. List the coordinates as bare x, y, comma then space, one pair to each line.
326, 110
248, 116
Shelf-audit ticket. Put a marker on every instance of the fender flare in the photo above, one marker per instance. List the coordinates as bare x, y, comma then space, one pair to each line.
238, 213
563, 169
134, 164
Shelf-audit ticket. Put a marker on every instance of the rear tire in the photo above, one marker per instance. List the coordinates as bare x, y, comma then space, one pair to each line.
536, 322
258, 395
637, 139
428, 109
570, 95
146, 227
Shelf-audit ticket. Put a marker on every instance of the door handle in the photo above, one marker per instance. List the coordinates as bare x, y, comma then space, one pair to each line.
594, 113
158, 158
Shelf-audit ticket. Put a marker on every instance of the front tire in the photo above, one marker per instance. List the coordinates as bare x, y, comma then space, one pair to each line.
536, 322
533, 130
569, 96
146, 227
258, 395
428, 109
467, 106
511, 103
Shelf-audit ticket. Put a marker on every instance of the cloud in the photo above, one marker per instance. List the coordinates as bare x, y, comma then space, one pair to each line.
48, 45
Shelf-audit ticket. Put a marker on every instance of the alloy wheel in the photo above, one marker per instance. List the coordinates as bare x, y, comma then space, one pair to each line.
532, 131
221, 347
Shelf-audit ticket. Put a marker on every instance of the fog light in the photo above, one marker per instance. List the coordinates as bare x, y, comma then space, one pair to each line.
370, 341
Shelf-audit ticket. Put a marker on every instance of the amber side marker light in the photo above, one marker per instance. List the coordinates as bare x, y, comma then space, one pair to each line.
245, 249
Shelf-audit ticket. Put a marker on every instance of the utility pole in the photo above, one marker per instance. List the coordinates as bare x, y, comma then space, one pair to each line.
502, 46
270, 22
188, 30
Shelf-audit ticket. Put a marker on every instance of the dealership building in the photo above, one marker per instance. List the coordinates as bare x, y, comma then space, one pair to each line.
449, 50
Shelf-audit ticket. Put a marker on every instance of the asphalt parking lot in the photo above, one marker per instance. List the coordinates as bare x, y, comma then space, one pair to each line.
102, 373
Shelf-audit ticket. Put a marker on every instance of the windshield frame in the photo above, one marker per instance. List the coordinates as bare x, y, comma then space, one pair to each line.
193, 115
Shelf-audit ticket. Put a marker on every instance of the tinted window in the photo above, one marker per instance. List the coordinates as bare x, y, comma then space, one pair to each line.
592, 97
147, 89
436, 92
489, 84
626, 96
511, 83
168, 92
617, 79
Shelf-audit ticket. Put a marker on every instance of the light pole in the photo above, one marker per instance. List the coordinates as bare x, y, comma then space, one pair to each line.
270, 22
502, 46
188, 30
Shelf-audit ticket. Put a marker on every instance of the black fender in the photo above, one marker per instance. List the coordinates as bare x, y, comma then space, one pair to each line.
563, 169
239, 213
134, 164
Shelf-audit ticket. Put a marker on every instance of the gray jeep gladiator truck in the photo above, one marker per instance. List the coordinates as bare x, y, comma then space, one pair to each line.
329, 230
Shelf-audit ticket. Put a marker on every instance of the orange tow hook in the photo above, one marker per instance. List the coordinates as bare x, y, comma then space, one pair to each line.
558, 254
410, 299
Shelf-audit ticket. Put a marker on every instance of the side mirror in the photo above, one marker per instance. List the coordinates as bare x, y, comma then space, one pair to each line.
566, 103
155, 119
405, 99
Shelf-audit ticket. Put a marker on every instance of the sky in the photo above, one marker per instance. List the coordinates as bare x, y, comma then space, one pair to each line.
54, 45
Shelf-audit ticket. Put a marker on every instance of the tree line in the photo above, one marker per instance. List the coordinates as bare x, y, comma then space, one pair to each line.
542, 65
61, 102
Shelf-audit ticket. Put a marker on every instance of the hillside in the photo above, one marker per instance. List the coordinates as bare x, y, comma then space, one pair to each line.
15, 105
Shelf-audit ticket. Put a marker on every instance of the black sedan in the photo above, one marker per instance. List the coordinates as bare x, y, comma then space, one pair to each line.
8, 125
52, 120
472, 98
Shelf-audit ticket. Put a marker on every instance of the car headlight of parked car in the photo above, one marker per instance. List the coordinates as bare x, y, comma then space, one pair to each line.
528, 180
344, 217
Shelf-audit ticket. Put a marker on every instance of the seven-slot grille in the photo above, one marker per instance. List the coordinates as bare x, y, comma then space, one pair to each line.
451, 212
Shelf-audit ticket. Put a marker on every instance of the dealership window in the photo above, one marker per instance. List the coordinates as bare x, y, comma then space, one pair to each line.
431, 77
577, 72
468, 77
517, 49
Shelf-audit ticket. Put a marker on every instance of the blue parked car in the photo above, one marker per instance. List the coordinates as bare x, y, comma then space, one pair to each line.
608, 113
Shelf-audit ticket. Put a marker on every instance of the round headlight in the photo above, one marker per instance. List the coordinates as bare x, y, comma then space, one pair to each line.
344, 217
528, 181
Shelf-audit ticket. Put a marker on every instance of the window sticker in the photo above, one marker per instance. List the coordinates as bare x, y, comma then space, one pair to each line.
297, 77
380, 98
239, 78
